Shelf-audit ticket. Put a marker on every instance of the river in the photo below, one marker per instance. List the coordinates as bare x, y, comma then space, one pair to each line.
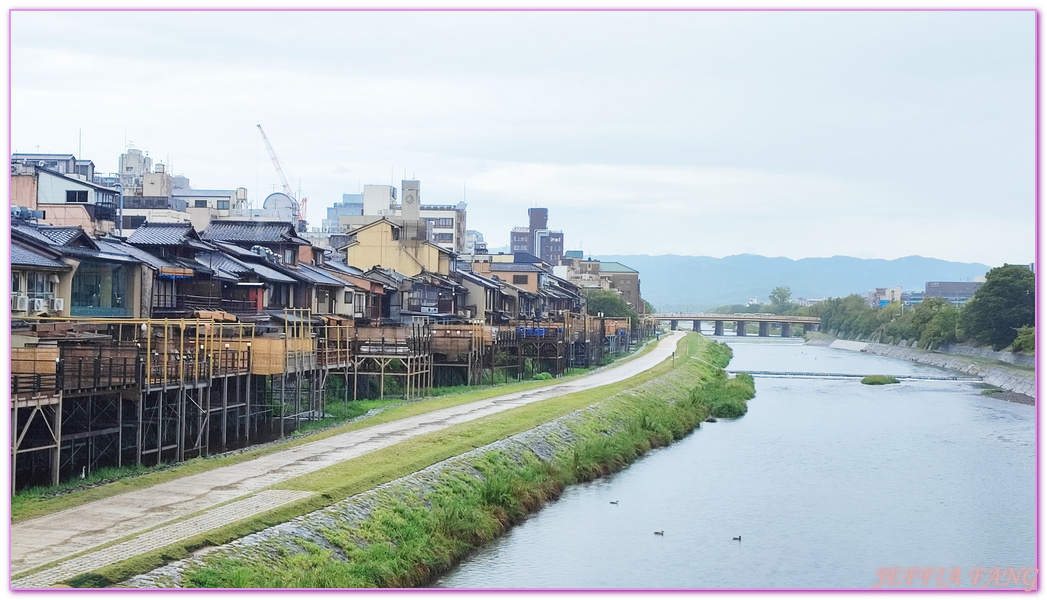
829, 483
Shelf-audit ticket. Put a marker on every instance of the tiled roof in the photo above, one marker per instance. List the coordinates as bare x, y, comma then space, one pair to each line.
252, 232
89, 253
342, 268
31, 232
24, 257
61, 235
479, 280
318, 276
160, 234
270, 274
222, 262
114, 247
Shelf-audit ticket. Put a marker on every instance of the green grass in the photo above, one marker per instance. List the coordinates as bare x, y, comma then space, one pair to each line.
36, 502
879, 380
405, 543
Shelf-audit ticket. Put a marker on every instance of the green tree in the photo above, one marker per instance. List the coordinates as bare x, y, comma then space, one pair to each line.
609, 303
999, 308
780, 295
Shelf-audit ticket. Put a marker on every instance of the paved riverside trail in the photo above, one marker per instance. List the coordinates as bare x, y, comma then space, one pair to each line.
52, 537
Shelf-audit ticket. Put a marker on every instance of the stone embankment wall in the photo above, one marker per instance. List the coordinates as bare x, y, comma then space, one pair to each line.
1011, 379
1016, 358
350, 514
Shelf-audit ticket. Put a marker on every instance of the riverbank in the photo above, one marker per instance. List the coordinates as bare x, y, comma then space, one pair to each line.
1018, 383
406, 532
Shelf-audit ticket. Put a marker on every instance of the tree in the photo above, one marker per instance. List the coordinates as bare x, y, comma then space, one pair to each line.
999, 308
609, 303
780, 295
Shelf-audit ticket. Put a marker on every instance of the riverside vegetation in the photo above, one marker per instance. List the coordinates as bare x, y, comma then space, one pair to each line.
410, 537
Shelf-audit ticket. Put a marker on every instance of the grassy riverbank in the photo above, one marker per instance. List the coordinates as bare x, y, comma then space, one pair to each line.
409, 537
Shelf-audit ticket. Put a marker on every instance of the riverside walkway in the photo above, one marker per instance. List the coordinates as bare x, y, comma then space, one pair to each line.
140, 521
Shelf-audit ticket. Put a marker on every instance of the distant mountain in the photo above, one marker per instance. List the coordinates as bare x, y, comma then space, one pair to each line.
678, 283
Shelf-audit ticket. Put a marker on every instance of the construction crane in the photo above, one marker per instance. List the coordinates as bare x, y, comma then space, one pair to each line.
296, 207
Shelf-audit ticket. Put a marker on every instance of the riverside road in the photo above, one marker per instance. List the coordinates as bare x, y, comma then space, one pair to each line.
143, 520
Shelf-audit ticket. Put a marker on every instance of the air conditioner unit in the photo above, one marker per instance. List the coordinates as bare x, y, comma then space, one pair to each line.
19, 302
38, 304
57, 304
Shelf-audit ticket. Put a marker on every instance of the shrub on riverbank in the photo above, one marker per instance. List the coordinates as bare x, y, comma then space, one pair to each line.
411, 535
879, 380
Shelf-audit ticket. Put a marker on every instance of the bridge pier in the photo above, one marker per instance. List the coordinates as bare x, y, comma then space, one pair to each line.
809, 327
787, 329
765, 329
673, 324
697, 326
718, 328
739, 328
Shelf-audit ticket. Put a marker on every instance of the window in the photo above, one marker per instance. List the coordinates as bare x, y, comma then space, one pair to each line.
348, 298
443, 222
76, 195
223, 205
14, 283
359, 303
520, 279
443, 238
289, 256
133, 222
129, 169
200, 204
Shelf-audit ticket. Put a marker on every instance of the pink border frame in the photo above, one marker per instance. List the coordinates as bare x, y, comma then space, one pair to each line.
5, 243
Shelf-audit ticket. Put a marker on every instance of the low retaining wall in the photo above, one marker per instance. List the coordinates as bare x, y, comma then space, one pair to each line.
1014, 380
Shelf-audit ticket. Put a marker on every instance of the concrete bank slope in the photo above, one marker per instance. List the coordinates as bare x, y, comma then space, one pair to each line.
1002, 376
366, 540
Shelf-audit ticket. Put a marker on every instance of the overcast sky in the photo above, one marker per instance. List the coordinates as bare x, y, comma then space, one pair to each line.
797, 134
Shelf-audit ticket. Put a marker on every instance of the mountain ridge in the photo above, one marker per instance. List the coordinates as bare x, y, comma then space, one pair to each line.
673, 282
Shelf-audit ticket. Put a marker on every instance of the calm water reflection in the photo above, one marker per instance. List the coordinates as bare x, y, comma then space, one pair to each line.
826, 480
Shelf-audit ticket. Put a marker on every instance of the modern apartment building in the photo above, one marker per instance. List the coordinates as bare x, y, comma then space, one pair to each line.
537, 238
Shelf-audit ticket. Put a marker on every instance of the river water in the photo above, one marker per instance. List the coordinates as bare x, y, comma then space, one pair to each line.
829, 483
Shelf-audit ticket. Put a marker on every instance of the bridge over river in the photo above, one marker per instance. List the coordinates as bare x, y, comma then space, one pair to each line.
739, 320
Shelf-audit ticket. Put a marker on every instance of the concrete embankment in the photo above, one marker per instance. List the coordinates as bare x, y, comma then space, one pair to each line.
405, 532
1005, 377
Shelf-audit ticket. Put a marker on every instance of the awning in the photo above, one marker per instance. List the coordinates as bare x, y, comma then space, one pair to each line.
176, 272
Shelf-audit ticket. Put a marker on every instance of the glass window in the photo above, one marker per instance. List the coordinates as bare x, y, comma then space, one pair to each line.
15, 279
519, 278
289, 257
37, 285
223, 205
200, 204
76, 195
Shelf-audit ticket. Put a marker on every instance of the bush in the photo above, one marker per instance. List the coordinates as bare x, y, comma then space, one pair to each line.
879, 380
1026, 340
543, 376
